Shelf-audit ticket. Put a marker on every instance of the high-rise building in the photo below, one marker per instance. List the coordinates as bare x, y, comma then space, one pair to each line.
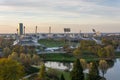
20, 29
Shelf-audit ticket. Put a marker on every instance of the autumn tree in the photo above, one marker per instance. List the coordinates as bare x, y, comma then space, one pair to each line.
109, 51
42, 72
35, 59
22, 49
10, 70
77, 52
83, 63
6, 52
106, 41
85, 43
14, 56
102, 53
103, 66
16, 49
5, 42
25, 59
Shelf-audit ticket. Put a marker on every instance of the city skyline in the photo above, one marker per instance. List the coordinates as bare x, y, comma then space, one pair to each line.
103, 15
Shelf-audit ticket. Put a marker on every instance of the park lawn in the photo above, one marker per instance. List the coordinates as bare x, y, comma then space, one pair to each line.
55, 43
60, 57
65, 57
52, 43
59, 72
66, 74
117, 54
31, 70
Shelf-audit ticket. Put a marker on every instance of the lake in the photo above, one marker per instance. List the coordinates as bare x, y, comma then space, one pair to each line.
113, 73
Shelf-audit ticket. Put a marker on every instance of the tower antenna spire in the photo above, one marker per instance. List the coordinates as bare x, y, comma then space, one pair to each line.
36, 30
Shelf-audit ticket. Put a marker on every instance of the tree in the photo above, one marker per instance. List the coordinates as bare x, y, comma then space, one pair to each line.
103, 66
85, 43
106, 41
93, 71
5, 42
22, 49
10, 70
36, 59
53, 74
77, 71
6, 51
25, 59
102, 53
109, 51
83, 63
77, 52
16, 49
62, 77
42, 72
14, 56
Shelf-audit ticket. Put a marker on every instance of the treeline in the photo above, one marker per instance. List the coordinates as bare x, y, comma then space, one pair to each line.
17, 61
103, 50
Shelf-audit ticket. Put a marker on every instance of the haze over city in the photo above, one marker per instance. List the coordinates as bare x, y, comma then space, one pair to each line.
84, 15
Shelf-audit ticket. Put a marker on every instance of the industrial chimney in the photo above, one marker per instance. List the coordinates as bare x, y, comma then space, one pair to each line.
24, 30
17, 31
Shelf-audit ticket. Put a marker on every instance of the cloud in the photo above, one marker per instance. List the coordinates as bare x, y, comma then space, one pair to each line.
61, 9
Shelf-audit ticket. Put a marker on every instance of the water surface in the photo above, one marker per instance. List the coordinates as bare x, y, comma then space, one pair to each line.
113, 73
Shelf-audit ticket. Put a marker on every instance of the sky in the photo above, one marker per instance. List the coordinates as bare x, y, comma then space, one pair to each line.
79, 15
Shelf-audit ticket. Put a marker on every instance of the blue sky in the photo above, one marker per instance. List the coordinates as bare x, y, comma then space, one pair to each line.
103, 15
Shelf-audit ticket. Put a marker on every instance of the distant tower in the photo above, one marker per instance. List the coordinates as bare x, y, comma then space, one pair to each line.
36, 30
20, 29
49, 34
24, 30
49, 30
80, 33
17, 31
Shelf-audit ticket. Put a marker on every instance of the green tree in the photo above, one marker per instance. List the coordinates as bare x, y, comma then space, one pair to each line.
77, 71
10, 70
93, 71
42, 72
62, 77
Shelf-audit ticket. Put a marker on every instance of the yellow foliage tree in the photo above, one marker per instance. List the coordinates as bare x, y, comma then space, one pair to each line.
10, 69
